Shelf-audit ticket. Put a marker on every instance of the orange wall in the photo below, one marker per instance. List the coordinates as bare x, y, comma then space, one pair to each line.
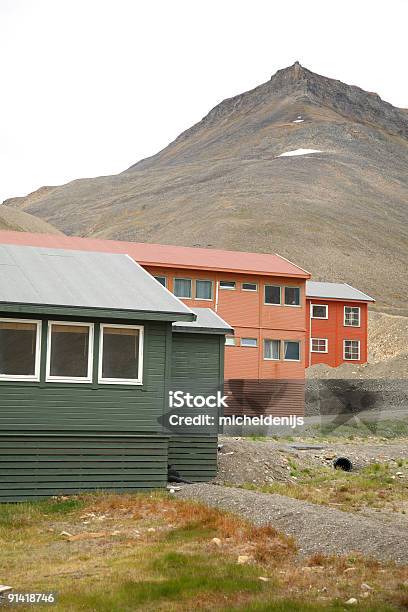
336, 332
246, 312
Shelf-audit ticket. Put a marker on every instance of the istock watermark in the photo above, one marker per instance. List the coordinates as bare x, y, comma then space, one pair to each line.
179, 399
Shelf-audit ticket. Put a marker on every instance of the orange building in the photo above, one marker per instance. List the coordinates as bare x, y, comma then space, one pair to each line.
338, 323
268, 300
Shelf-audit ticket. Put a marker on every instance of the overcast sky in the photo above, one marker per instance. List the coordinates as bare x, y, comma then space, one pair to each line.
89, 87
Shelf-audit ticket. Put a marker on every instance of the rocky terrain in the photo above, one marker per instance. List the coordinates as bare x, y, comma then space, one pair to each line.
302, 165
20, 221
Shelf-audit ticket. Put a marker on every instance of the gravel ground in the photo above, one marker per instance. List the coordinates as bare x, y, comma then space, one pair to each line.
315, 528
244, 461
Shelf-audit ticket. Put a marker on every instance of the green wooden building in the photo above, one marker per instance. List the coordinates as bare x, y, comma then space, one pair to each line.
90, 347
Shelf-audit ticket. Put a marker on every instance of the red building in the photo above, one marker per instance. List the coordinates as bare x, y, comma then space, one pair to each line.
266, 299
338, 323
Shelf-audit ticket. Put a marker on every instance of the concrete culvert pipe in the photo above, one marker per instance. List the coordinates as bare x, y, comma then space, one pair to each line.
342, 463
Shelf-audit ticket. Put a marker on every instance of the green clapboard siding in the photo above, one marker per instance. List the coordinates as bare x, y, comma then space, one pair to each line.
195, 458
197, 368
37, 466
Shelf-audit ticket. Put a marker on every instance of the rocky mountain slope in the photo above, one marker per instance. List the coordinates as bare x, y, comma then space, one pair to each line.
20, 221
336, 206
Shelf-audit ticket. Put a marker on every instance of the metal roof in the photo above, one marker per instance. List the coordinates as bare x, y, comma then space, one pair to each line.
335, 291
168, 255
82, 279
207, 321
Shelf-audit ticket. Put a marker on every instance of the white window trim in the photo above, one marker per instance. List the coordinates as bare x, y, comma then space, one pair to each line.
249, 345
121, 381
37, 364
326, 306
233, 341
280, 349
280, 295
326, 341
300, 351
70, 379
292, 305
359, 317
250, 290
181, 297
227, 288
205, 280
344, 350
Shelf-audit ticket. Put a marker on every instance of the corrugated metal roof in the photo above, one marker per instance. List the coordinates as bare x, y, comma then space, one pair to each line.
167, 255
335, 291
83, 279
207, 321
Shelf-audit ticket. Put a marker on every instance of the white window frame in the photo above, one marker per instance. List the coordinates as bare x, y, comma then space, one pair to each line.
280, 349
326, 306
300, 296
280, 295
227, 288
300, 351
70, 379
230, 341
249, 283
204, 280
326, 344
359, 317
180, 297
249, 345
37, 364
344, 349
121, 381
161, 276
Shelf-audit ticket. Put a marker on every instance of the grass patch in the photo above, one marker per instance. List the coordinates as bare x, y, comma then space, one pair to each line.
160, 553
375, 486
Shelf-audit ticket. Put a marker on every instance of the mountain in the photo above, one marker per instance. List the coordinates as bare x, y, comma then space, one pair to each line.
20, 221
337, 207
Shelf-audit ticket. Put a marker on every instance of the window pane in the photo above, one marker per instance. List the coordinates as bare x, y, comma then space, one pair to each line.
319, 345
272, 349
182, 287
162, 280
272, 294
229, 341
203, 290
319, 311
249, 286
292, 350
352, 316
249, 342
120, 359
69, 351
18, 345
351, 349
227, 284
292, 296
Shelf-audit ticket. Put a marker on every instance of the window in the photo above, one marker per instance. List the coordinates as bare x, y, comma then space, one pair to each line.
272, 349
320, 311
227, 284
351, 349
182, 287
250, 342
352, 316
249, 287
318, 345
291, 350
273, 294
230, 341
292, 296
69, 352
162, 280
121, 354
20, 342
204, 290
